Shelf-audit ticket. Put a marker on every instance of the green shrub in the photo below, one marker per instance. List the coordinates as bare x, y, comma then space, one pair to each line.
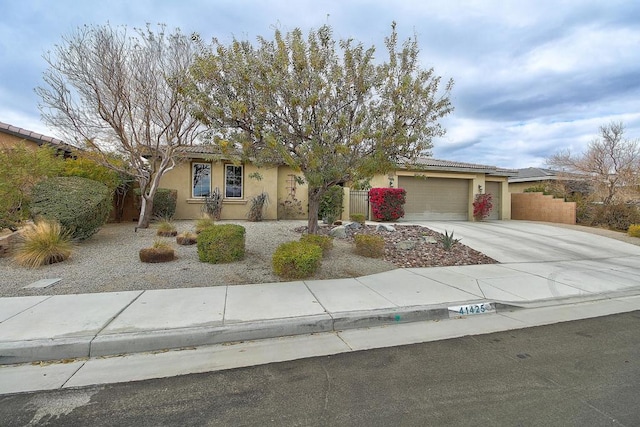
357, 217
370, 246
331, 204
43, 243
203, 223
634, 230
164, 202
615, 216
221, 243
325, 242
80, 205
296, 260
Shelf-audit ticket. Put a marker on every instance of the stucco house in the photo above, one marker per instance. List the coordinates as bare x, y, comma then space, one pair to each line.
12, 135
531, 177
436, 190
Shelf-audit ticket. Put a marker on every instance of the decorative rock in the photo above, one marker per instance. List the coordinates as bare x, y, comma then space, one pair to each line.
353, 226
406, 245
385, 227
339, 232
430, 239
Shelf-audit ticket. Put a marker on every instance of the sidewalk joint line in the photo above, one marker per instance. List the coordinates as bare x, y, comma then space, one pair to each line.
114, 317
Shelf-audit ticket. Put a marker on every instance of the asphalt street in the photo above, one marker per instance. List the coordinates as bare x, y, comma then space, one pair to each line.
583, 372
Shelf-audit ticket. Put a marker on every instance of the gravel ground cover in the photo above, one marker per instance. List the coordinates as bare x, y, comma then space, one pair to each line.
109, 262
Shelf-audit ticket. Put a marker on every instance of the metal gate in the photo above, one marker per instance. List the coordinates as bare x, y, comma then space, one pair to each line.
359, 202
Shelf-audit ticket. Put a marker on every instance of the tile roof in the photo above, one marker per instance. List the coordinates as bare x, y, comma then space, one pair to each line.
534, 174
430, 163
29, 135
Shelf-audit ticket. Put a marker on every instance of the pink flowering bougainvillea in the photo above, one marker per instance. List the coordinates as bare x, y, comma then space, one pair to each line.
482, 205
387, 204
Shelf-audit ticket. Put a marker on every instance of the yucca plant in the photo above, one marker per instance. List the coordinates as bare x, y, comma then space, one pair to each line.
43, 243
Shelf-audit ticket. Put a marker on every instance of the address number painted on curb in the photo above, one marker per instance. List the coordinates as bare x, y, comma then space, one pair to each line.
472, 309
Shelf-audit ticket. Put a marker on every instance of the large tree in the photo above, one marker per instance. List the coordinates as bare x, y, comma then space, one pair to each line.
329, 110
118, 94
611, 163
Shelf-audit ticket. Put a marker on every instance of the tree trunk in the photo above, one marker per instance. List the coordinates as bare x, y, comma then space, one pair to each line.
146, 208
315, 196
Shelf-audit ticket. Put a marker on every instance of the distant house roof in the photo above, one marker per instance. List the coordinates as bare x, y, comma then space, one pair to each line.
36, 137
429, 163
535, 174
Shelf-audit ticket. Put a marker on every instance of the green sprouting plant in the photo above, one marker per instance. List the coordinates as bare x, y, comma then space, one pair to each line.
166, 228
448, 241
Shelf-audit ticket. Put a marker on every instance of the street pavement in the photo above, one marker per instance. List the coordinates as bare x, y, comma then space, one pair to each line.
546, 274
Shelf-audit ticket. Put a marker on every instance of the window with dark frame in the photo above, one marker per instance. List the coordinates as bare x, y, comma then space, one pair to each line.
233, 181
200, 179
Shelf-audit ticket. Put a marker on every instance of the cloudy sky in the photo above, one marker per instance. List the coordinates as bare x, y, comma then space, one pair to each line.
531, 76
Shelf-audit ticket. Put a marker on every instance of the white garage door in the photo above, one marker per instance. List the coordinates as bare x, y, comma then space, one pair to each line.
435, 198
493, 188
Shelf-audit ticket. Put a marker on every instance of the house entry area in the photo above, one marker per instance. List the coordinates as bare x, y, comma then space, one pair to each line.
435, 198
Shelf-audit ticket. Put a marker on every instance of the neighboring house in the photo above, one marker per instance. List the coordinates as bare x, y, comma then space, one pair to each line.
532, 177
439, 190
12, 135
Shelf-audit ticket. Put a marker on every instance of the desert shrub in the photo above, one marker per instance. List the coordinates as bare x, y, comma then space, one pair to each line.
159, 252
212, 206
186, 238
203, 223
166, 228
296, 260
482, 206
634, 230
221, 243
87, 168
256, 208
387, 204
331, 204
43, 243
325, 242
164, 202
357, 217
20, 169
80, 205
370, 246
615, 216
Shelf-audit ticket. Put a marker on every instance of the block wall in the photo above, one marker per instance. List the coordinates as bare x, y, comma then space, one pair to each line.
538, 207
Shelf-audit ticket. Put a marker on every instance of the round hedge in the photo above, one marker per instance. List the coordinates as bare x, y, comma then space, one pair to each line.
221, 243
296, 260
80, 205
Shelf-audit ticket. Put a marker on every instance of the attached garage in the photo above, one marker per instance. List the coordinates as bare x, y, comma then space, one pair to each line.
435, 198
494, 189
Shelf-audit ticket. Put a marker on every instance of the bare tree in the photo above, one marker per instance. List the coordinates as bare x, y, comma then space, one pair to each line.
611, 162
117, 94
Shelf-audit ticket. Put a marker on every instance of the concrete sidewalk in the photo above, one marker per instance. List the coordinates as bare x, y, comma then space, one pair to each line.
89, 325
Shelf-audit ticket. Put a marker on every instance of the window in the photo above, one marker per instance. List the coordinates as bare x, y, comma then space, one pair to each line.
201, 179
233, 181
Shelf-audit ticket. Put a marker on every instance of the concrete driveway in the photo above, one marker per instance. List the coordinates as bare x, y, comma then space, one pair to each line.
533, 242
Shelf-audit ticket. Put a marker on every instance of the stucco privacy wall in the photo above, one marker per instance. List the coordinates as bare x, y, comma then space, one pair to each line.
540, 207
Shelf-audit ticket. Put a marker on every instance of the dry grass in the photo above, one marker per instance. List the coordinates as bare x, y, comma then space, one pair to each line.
43, 243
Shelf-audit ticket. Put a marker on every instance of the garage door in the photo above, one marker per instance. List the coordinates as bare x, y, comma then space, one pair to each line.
435, 198
493, 188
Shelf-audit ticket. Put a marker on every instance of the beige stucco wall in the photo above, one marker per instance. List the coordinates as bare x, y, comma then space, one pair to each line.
189, 207
9, 141
538, 207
